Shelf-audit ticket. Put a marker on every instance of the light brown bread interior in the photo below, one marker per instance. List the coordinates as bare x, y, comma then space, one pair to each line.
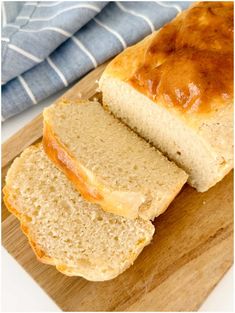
76, 236
204, 149
108, 162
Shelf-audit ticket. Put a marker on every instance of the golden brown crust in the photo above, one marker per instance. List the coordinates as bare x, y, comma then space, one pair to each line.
40, 254
187, 66
58, 153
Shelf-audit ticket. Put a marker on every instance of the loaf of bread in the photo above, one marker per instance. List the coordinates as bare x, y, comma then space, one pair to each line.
108, 163
175, 88
76, 236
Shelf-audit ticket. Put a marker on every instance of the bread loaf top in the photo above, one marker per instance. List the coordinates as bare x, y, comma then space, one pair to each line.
187, 66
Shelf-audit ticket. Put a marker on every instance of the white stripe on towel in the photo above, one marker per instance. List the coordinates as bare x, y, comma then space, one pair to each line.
116, 34
30, 3
27, 89
166, 5
85, 50
56, 29
24, 53
42, 5
79, 6
147, 20
58, 71
4, 14
5, 39
12, 25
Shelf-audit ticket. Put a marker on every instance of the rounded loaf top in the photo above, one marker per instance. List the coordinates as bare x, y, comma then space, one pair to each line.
189, 62
186, 65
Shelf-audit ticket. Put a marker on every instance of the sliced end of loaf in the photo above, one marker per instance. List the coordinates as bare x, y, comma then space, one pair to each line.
107, 162
120, 203
205, 154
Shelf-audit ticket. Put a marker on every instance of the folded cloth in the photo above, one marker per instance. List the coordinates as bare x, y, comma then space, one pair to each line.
48, 45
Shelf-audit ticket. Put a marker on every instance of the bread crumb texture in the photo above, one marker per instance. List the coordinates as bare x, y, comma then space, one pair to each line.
114, 154
76, 236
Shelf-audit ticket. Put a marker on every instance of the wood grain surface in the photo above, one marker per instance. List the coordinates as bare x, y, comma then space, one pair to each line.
190, 252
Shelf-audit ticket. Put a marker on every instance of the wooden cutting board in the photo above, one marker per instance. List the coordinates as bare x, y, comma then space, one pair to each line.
190, 252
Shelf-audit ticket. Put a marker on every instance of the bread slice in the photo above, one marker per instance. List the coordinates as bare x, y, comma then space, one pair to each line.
175, 88
108, 163
76, 236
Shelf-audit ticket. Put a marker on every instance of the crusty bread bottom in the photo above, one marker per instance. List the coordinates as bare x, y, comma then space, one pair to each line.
192, 151
65, 231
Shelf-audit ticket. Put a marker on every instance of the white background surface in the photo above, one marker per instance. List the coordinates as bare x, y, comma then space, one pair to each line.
21, 293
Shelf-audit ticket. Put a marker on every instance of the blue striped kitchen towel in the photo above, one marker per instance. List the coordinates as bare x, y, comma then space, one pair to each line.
47, 45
